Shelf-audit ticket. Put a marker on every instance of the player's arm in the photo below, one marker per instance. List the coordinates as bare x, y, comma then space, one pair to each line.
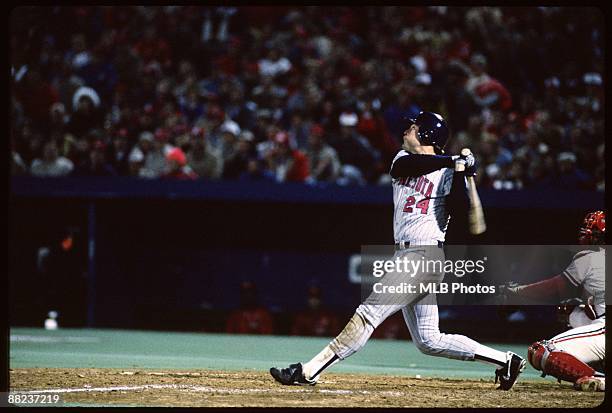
410, 164
553, 289
559, 287
458, 199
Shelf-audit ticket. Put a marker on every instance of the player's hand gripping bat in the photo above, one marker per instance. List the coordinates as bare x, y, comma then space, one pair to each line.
477, 224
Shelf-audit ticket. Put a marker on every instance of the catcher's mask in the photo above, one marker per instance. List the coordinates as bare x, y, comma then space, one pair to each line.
593, 228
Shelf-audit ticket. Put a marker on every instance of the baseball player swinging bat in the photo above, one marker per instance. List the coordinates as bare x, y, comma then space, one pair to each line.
477, 224
427, 191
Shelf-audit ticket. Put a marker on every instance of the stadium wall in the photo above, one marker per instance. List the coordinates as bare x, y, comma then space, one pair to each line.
163, 254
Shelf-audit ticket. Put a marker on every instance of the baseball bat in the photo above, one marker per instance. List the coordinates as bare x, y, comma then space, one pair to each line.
477, 224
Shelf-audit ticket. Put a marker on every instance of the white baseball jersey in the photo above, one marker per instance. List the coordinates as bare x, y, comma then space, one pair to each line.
587, 270
420, 206
421, 216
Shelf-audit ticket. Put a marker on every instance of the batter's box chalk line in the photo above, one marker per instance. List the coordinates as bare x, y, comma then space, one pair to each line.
206, 389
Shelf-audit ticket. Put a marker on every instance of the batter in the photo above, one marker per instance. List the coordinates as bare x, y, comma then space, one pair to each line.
426, 192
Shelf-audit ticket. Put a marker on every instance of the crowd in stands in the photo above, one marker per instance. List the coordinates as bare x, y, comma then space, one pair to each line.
251, 317
305, 94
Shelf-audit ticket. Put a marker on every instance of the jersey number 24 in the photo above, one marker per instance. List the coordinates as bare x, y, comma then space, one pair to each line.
423, 204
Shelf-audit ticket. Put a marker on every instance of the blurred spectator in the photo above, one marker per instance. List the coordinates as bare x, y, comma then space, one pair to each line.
97, 164
229, 134
324, 164
351, 176
86, 115
67, 82
539, 175
78, 55
118, 153
238, 107
491, 151
287, 164
507, 177
251, 317
353, 149
135, 163
533, 148
176, 167
203, 160
468, 138
36, 96
191, 106
570, 177
267, 142
80, 148
28, 142
299, 131
486, 91
274, 64
100, 73
372, 125
51, 164
153, 47
214, 120
155, 158
138, 153
458, 100
57, 119
401, 107
237, 163
146, 118
315, 320
256, 171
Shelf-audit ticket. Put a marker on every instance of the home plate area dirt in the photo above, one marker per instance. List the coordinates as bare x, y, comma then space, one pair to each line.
210, 388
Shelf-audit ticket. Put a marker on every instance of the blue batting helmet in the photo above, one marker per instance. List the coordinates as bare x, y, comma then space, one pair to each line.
433, 130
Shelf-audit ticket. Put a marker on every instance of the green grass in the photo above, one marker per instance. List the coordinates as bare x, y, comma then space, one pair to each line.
100, 348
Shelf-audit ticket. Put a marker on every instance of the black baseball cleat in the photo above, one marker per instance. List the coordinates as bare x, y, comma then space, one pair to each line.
292, 375
508, 374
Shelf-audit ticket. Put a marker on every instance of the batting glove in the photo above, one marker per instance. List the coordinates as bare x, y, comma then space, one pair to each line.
471, 170
469, 160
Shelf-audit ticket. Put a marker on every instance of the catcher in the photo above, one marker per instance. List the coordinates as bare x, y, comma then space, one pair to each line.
576, 355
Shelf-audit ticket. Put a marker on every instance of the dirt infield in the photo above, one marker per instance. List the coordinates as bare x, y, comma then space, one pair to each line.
208, 388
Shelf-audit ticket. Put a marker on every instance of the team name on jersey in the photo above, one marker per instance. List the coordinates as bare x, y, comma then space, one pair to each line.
420, 184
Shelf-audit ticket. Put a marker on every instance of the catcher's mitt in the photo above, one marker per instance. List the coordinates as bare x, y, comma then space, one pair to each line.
507, 292
567, 307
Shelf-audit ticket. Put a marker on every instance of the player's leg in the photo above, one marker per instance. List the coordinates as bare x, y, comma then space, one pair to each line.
369, 315
586, 343
351, 339
573, 356
423, 322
